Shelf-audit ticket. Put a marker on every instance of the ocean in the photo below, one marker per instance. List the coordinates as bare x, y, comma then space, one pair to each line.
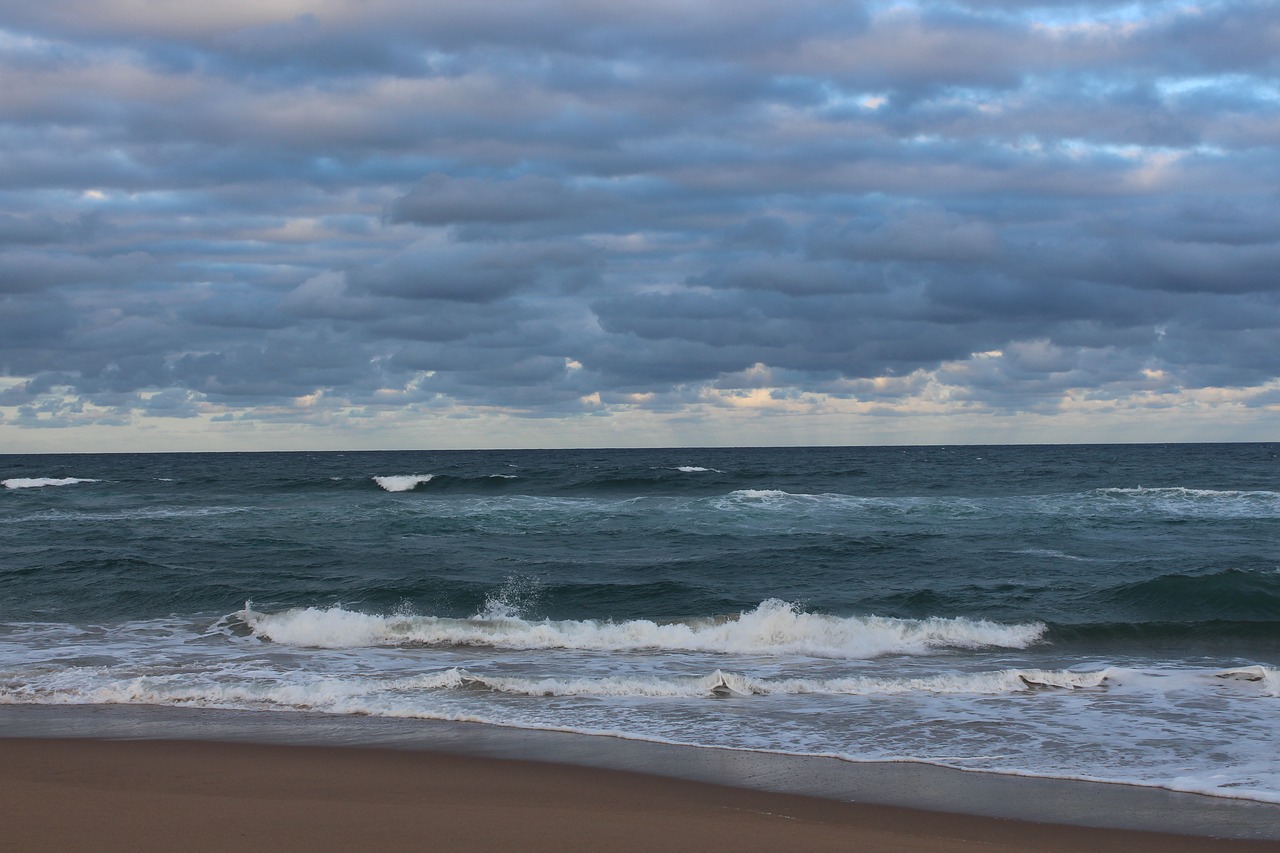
1103, 612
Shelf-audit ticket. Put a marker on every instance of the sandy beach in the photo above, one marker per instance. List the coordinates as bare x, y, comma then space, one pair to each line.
158, 795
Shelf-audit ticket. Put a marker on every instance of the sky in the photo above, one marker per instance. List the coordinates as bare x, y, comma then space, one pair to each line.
364, 224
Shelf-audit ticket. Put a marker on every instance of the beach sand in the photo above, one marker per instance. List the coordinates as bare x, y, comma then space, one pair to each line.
166, 795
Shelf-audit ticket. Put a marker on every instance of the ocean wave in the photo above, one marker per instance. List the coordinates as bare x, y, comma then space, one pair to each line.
696, 469
721, 684
1180, 500
1258, 679
90, 681
773, 628
1266, 677
403, 482
1162, 632
769, 494
776, 500
1172, 501
1184, 492
835, 505
1055, 554
132, 514
1232, 594
40, 482
419, 697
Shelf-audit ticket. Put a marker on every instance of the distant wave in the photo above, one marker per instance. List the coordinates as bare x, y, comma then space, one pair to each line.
696, 469
1179, 500
403, 482
765, 494
39, 482
1050, 552
1184, 492
131, 514
774, 627
826, 505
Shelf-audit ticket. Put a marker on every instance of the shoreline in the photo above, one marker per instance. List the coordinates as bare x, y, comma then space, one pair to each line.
156, 795
976, 799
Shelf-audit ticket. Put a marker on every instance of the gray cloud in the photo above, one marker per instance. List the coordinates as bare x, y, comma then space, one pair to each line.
334, 209
439, 199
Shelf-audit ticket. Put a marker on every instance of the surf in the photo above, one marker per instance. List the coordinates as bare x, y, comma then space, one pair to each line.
775, 627
42, 482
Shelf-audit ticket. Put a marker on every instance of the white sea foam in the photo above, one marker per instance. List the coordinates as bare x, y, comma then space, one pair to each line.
1186, 501
696, 469
774, 627
140, 513
1267, 678
724, 684
1184, 492
1259, 681
1253, 778
403, 482
763, 494
1053, 722
39, 482
1049, 552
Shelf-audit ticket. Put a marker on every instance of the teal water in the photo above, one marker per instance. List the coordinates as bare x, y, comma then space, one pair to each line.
1012, 609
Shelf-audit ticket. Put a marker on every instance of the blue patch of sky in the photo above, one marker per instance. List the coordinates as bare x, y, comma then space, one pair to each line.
24, 45
1064, 13
1232, 87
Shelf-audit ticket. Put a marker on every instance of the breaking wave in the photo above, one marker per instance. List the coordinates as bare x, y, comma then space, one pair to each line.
1179, 500
403, 482
40, 482
773, 628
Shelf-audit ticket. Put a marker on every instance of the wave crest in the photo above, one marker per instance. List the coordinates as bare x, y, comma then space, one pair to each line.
1181, 500
403, 482
40, 482
773, 628
721, 684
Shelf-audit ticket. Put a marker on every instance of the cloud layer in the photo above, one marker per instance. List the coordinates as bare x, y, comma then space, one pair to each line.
364, 216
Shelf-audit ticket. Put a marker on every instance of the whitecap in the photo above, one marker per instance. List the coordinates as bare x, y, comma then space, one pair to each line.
403, 482
773, 628
39, 482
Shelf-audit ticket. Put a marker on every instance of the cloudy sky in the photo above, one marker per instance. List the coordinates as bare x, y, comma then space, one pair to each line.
260, 224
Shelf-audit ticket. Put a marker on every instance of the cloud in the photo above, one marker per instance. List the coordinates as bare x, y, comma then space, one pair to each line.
442, 200
334, 212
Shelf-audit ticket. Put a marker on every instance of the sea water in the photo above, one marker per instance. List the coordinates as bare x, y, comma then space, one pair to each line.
1097, 612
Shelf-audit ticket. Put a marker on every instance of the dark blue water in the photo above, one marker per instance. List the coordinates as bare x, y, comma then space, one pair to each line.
616, 590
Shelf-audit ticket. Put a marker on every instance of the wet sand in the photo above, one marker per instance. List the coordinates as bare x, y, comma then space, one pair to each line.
164, 795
